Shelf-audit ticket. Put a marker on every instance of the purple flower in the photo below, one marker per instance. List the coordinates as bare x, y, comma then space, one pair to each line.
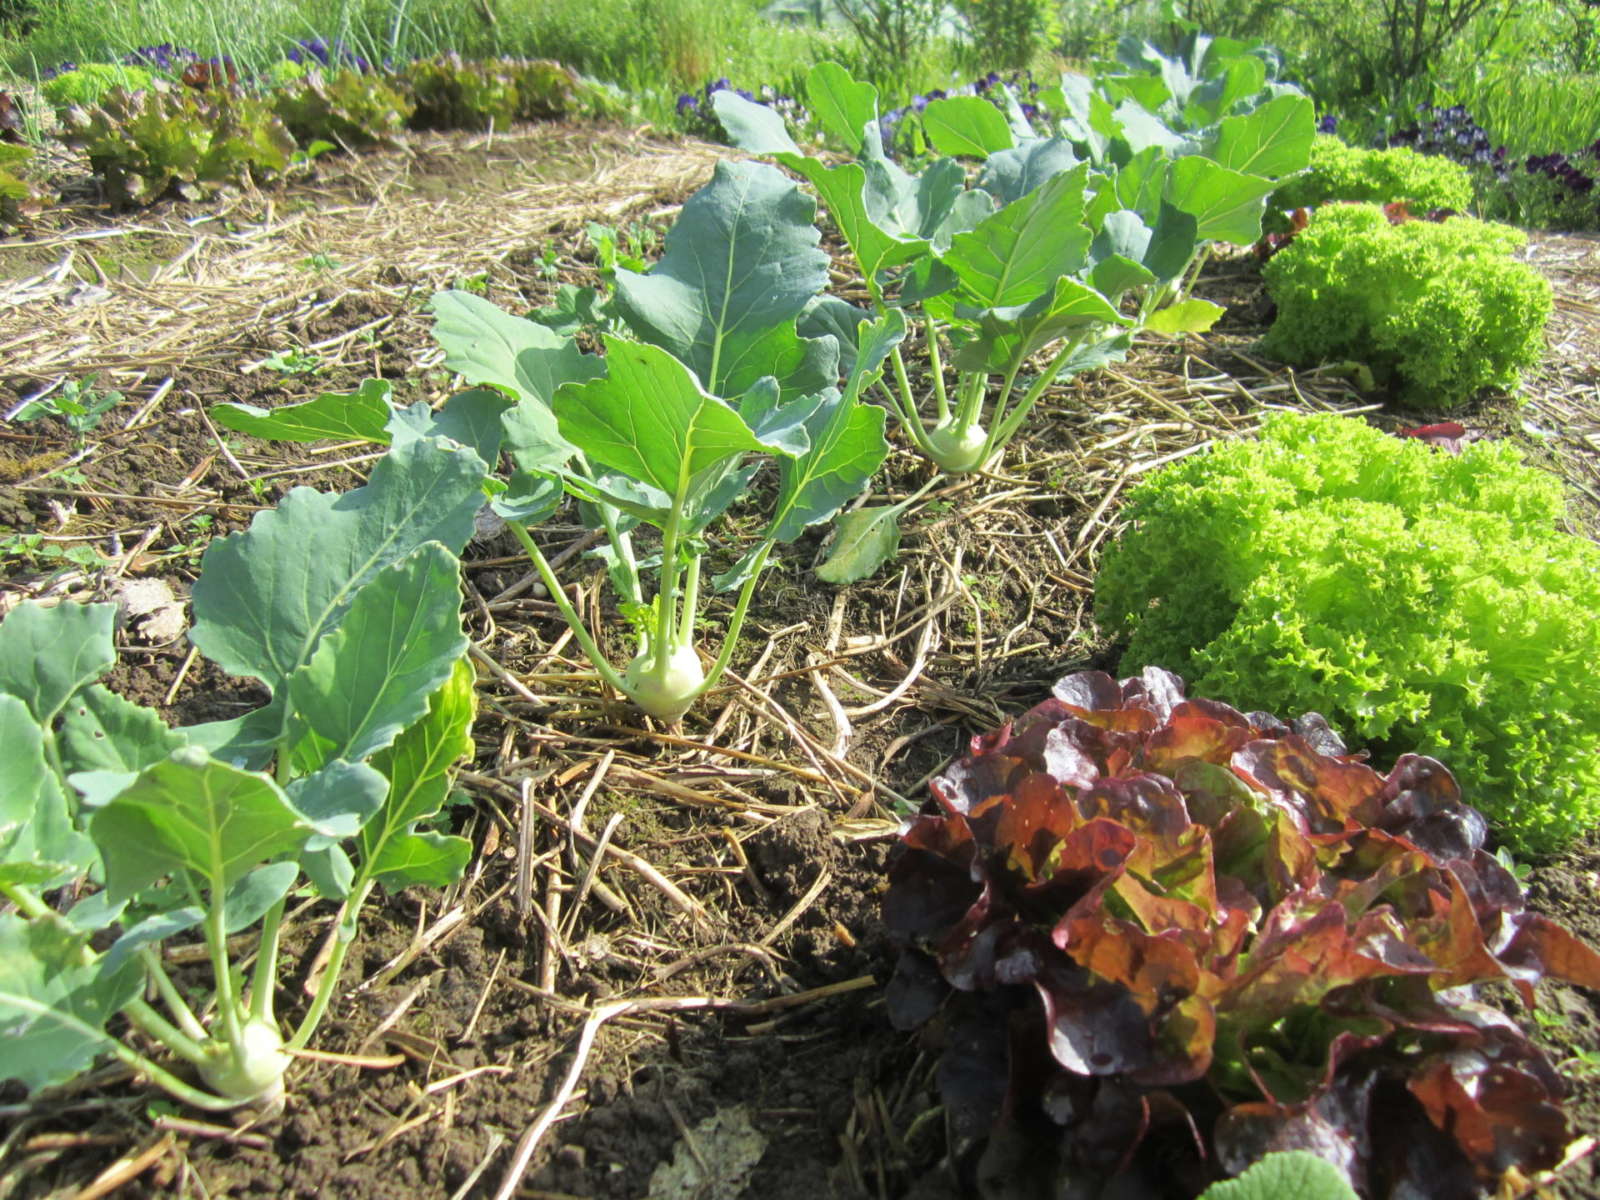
1328, 124
687, 103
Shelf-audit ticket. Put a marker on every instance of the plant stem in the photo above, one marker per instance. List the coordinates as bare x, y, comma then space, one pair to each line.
217, 944
691, 601
909, 421
736, 623
906, 403
969, 407
264, 979
667, 587
936, 365
341, 946
1002, 432
171, 996
569, 614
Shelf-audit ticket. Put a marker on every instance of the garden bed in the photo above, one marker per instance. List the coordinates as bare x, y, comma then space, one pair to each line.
738, 931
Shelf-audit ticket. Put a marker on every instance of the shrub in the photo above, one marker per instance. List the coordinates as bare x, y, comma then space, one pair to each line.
84, 85
1156, 938
1341, 172
1418, 599
1437, 310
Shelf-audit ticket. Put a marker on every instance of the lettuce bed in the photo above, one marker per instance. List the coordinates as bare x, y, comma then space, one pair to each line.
1422, 601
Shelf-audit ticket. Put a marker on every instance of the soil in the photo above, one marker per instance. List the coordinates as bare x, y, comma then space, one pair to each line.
758, 1041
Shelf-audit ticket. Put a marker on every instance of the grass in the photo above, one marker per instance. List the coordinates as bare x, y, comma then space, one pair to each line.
652, 49
1532, 113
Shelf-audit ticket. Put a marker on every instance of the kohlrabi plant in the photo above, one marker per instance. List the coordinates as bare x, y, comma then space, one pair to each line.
119, 834
669, 430
1046, 267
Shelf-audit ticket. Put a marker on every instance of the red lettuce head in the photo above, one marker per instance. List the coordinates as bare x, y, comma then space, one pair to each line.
1157, 935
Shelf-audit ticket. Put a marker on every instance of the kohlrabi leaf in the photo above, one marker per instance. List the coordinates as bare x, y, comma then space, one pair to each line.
845, 108
37, 840
430, 858
1226, 205
742, 258
1007, 336
361, 415
1283, 1173
799, 365
101, 731
192, 813
338, 798
473, 418
418, 768
53, 1006
265, 597
47, 654
1274, 140
1011, 174
249, 741
1212, 100
651, 420
528, 498
829, 315
1143, 130
966, 126
370, 677
843, 192
487, 345
911, 205
862, 542
1186, 316
1139, 184
1172, 243
754, 128
847, 448
1017, 254
1089, 121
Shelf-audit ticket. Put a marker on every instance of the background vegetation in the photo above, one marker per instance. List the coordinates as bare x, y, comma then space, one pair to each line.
1527, 71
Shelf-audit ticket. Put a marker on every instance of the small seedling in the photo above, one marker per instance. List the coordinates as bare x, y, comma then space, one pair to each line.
320, 261
79, 403
293, 361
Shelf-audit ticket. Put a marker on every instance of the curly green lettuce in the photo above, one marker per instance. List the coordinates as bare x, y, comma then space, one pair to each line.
1438, 310
1417, 599
1341, 172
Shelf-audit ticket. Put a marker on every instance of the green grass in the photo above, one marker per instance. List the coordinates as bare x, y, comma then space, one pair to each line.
1532, 113
652, 49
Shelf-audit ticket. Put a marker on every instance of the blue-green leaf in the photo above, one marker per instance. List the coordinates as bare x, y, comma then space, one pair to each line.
1226, 205
651, 420
192, 813
418, 766
266, 597
371, 677
846, 109
53, 1006
1274, 140
47, 654
361, 416
742, 258
101, 731
37, 840
966, 126
1017, 254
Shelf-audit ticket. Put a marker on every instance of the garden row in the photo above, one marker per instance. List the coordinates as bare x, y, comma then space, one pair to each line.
1166, 931
149, 134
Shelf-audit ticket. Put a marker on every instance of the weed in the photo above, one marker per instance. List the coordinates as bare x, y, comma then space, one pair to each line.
79, 403
293, 361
